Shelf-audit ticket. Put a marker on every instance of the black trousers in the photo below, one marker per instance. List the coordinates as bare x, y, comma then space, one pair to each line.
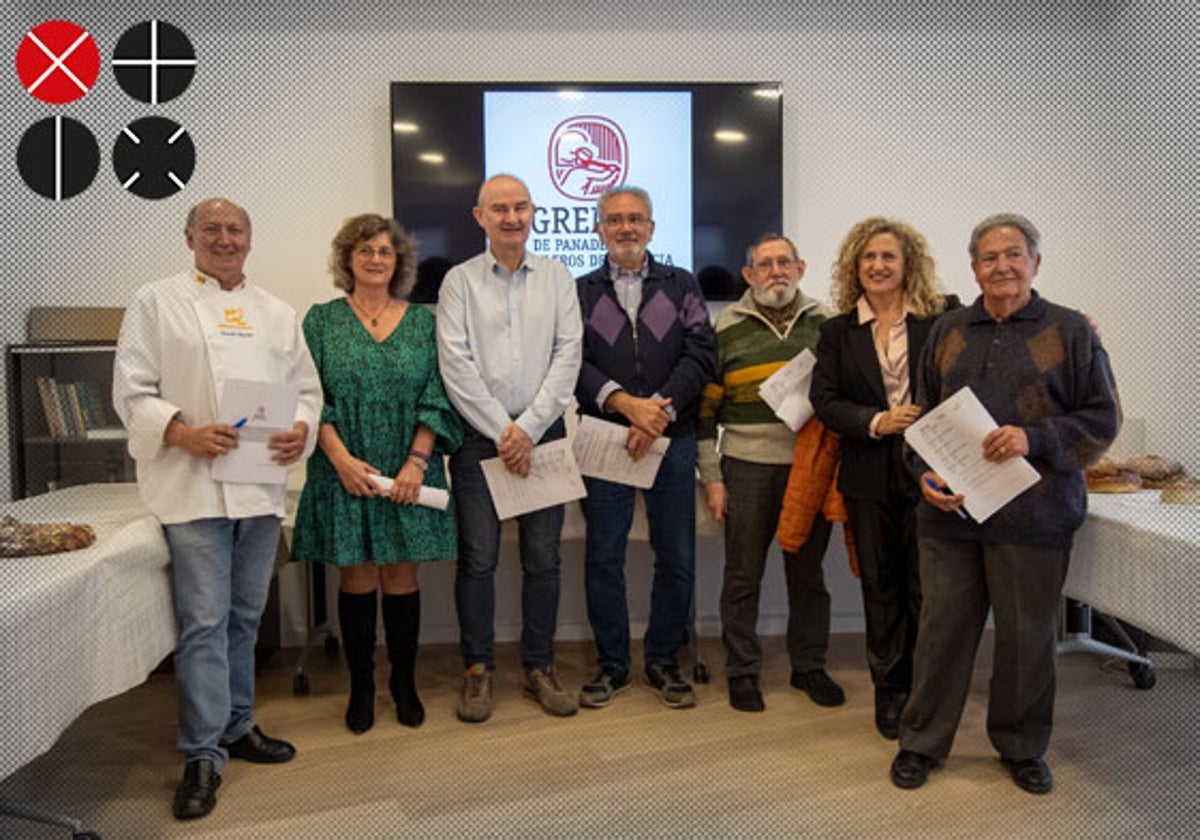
885, 539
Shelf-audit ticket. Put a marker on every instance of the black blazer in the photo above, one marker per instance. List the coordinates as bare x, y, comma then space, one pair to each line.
847, 392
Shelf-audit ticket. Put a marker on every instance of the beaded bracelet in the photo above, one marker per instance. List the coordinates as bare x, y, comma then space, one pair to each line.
420, 457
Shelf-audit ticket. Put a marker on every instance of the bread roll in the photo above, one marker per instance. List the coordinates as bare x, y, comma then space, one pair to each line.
1107, 465
1122, 481
1181, 491
1154, 467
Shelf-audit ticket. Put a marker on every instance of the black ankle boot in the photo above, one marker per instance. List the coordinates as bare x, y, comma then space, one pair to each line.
356, 615
402, 625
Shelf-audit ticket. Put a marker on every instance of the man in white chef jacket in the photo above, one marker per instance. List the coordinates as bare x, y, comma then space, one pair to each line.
181, 338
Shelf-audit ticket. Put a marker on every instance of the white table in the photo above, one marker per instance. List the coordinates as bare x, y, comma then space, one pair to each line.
79, 627
1139, 560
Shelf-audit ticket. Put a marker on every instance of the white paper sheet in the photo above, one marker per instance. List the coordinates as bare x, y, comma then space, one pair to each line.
263, 409
430, 497
599, 449
553, 479
786, 390
950, 439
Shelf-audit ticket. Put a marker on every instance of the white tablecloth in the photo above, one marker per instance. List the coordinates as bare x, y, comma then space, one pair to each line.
1139, 560
79, 627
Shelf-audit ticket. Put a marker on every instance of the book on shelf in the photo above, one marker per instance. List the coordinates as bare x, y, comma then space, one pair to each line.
77, 410
47, 392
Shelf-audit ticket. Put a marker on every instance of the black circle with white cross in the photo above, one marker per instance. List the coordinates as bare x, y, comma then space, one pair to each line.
153, 157
154, 62
58, 157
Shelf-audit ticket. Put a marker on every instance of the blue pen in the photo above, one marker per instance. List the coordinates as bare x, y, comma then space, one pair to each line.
241, 423
946, 491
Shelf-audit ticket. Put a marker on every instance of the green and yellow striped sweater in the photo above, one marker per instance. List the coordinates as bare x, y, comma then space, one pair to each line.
749, 350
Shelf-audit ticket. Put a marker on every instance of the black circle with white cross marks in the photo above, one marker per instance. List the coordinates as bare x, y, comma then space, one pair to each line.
153, 157
154, 62
58, 157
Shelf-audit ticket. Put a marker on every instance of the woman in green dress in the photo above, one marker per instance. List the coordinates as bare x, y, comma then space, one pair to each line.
386, 416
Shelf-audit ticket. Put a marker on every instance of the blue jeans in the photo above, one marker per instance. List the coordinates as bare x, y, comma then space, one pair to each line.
671, 516
539, 533
221, 571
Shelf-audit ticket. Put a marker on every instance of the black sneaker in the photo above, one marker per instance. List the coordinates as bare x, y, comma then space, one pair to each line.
819, 686
604, 687
744, 694
671, 687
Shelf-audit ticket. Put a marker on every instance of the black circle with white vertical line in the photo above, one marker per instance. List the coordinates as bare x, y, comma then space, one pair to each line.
58, 157
153, 157
154, 62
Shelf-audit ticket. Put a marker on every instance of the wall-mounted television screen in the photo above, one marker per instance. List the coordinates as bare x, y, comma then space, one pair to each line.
709, 153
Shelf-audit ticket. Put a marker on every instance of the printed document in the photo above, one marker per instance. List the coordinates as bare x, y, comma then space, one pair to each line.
786, 390
600, 452
258, 410
553, 479
950, 439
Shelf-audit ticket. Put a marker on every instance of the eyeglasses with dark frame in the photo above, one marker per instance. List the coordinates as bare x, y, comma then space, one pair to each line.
783, 263
366, 252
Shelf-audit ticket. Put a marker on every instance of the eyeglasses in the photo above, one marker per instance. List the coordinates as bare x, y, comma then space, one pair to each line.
783, 263
366, 252
633, 219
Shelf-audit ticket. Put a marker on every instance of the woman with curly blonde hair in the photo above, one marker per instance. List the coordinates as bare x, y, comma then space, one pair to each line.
863, 387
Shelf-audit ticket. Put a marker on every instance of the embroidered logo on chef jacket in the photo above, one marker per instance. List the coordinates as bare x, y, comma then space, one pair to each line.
234, 324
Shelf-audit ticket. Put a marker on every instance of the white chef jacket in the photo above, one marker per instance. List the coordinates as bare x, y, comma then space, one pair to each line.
180, 339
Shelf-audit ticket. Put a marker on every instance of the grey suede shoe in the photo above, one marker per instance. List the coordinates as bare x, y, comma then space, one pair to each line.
542, 686
475, 705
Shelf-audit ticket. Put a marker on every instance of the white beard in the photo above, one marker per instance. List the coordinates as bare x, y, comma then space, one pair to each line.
775, 297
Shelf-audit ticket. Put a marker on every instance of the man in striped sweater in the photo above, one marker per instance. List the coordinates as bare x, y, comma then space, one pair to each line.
746, 474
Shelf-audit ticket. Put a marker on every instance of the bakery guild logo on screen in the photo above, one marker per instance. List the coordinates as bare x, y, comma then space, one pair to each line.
587, 155
235, 323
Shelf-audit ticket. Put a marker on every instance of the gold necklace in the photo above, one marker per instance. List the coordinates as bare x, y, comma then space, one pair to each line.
374, 319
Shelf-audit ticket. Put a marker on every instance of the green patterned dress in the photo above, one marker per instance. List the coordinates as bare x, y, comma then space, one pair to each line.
375, 395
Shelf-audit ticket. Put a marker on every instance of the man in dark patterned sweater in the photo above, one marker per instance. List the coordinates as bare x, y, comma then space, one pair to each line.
648, 350
1042, 374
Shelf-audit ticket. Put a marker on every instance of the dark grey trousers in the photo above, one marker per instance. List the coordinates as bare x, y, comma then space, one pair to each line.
959, 581
755, 494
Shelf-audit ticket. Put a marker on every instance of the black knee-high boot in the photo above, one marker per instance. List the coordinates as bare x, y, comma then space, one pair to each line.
402, 624
356, 615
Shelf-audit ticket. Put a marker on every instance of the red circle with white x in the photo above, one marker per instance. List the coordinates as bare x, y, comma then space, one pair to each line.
58, 61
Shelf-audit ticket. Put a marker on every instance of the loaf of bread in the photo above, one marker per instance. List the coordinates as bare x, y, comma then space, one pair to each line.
21, 539
1121, 481
1155, 470
1181, 491
1109, 475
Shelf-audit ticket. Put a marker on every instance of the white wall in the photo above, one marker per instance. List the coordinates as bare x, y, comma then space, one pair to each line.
1082, 116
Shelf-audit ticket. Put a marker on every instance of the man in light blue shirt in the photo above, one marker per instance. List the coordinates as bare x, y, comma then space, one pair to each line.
509, 349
